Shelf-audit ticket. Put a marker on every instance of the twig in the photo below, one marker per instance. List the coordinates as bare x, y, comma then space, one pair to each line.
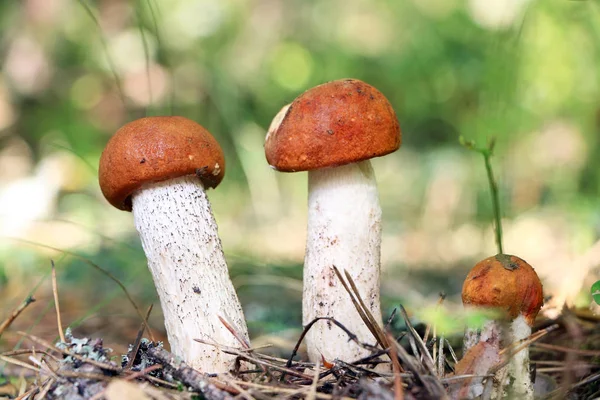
429, 363
372, 358
19, 363
441, 358
284, 390
357, 369
242, 392
591, 353
138, 339
452, 353
398, 386
45, 368
187, 375
56, 304
515, 347
463, 377
312, 392
362, 309
561, 392
411, 364
158, 381
351, 336
428, 328
28, 393
84, 375
390, 319
241, 340
248, 357
26, 351
143, 372
574, 367
46, 388
16, 312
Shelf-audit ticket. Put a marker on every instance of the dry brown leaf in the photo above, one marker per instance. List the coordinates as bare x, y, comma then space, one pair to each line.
478, 361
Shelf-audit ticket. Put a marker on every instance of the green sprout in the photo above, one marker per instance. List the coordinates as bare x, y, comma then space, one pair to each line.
487, 153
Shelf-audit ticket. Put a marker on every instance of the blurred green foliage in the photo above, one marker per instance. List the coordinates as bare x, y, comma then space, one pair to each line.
72, 72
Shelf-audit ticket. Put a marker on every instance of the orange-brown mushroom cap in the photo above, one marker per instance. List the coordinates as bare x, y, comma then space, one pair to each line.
507, 283
155, 149
333, 124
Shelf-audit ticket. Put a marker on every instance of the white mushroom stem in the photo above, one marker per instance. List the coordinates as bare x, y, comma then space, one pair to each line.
179, 236
513, 380
518, 367
344, 230
490, 331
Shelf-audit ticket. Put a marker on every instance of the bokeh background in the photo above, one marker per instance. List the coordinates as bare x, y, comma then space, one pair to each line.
523, 71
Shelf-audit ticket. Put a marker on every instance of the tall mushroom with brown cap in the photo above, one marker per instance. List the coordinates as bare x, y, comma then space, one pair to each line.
510, 285
159, 168
332, 131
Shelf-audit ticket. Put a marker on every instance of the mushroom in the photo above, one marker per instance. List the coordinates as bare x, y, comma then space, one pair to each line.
159, 168
332, 131
510, 285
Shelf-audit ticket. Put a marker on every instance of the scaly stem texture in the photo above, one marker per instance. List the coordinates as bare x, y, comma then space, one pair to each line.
179, 235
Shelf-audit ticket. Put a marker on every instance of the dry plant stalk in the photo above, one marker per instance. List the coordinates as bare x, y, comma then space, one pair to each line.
56, 303
15, 314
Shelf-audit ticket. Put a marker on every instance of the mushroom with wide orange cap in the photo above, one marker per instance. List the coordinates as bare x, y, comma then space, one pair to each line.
511, 286
159, 168
331, 131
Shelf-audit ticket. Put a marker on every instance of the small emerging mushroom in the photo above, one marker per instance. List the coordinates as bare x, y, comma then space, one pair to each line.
159, 168
332, 131
509, 285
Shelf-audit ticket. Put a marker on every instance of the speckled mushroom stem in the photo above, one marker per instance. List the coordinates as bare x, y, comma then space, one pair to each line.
489, 330
518, 367
179, 236
513, 380
344, 230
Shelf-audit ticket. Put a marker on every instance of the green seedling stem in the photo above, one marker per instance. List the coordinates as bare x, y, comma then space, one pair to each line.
487, 153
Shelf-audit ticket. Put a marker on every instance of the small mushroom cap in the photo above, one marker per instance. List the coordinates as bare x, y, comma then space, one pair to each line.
333, 124
155, 149
507, 283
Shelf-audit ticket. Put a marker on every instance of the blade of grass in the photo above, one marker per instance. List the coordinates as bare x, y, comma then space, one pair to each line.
97, 268
109, 60
140, 26
153, 9
56, 303
89, 165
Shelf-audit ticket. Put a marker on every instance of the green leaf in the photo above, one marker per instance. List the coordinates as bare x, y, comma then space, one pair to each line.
596, 292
